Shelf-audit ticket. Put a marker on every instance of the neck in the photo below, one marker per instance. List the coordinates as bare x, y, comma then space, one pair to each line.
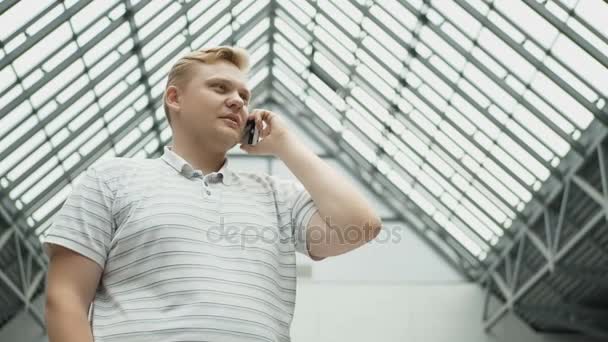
205, 160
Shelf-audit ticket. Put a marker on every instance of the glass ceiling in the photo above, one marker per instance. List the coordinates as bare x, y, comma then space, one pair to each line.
466, 107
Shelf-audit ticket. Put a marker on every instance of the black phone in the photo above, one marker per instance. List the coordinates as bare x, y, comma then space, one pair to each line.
251, 134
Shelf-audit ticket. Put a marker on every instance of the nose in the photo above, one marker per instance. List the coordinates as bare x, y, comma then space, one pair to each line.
235, 102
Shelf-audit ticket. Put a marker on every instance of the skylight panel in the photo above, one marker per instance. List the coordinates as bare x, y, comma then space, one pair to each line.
96, 140
586, 67
93, 31
31, 178
107, 43
328, 93
289, 53
436, 100
17, 114
82, 117
255, 32
470, 244
13, 19
41, 50
251, 11
238, 8
86, 16
152, 10
39, 188
364, 102
336, 34
49, 15
382, 53
366, 124
296, 11
338, 16
256, 56
168, 34
8, 162
391, 24
514, 62
166, 50
517, 150
7, 78
127, 140
325, 114
329, 41
217, 33
331, 69
294, 87
561, 101
396, 50
53, 203
257, 78
116, 75
381, 86
132, 96
350, 10
292, 33
363, 148
208, 16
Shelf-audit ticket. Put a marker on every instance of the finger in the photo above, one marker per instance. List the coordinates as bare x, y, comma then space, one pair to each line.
267, 117
262, 117
266, 131
258, 119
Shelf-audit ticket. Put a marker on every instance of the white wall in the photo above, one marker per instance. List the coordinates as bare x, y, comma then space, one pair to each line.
397, 255
328, 312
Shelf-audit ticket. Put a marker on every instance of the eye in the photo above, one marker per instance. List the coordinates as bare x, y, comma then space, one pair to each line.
245, 97
220, 86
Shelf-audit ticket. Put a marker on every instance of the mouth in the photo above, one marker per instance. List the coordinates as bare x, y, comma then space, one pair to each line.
232, 118
231, 122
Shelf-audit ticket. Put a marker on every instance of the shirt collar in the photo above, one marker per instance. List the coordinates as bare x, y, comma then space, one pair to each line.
184, 168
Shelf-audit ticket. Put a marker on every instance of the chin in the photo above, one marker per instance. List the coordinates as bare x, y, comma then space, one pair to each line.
227, 142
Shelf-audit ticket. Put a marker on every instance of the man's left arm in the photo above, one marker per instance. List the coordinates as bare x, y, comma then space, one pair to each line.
345, 220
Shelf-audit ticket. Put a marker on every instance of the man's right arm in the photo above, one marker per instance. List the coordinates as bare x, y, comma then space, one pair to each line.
71, 285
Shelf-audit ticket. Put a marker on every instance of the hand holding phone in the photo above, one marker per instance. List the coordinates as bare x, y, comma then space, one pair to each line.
251, 134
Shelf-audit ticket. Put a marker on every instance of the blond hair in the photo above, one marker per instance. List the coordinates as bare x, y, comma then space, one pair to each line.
181, 71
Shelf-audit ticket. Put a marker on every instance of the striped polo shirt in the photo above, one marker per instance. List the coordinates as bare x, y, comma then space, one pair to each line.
186, 256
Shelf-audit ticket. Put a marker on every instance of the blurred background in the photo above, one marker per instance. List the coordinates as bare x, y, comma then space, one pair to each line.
477, 128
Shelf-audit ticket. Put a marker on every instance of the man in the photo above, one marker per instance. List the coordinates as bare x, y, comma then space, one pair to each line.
182, 247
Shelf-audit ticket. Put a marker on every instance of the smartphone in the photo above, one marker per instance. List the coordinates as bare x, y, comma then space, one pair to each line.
251, 134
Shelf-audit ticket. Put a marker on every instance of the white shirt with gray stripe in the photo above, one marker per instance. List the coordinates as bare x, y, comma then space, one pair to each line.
187, 256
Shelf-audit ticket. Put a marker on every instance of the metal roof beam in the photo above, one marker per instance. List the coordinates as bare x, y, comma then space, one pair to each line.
554, 251
589, 322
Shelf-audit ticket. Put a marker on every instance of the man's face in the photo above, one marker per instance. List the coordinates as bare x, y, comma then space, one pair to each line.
214, 92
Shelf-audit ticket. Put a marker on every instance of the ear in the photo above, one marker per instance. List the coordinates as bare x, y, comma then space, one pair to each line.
172, 97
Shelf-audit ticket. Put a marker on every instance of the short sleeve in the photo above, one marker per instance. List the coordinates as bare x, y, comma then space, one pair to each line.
84, 222
293, 199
